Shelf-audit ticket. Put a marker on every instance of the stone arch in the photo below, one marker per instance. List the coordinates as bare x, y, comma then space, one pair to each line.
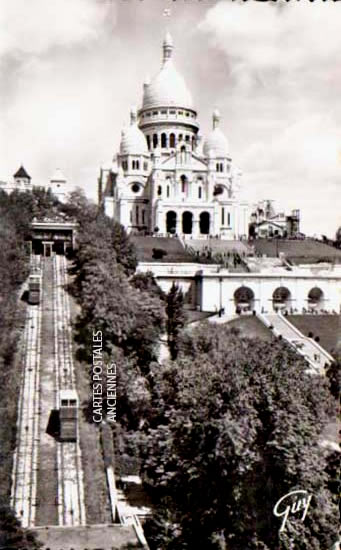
187, 223
315, 298
281, 298
172, 140
244, 299
155, 140
204, 223
171, 221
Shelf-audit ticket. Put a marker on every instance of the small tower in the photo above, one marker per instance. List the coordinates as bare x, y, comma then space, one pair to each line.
22, 179
58, 185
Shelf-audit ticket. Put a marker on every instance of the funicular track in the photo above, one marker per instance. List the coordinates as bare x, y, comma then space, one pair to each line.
55, 340
70, 498
26, 455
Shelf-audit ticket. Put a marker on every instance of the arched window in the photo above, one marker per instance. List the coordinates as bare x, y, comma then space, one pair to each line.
187, 222
133, 165
172, 140
137, 215
183, 180
155, 141
163, 140
143, 216
315, 299
217, 166
159, 191
228, 219
218, 190
244, 299
180, 137
281, 298
137, 164
187, 138
171, 222
193, 142
145, 166
148, 142
204, 223
199, 191
168, 191
222, 216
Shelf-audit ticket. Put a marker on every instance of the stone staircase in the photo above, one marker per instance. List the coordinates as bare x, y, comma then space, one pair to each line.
315, 355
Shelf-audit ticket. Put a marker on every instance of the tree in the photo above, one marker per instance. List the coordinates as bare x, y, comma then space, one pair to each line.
12, 535
236, 427
175, 318
338, 237
333, 375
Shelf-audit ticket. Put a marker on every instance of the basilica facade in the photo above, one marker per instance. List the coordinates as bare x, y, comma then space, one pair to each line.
166, 179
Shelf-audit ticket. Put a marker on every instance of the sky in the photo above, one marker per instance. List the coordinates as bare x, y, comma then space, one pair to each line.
71, 69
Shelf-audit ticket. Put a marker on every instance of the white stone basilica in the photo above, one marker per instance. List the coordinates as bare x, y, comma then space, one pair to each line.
164, 179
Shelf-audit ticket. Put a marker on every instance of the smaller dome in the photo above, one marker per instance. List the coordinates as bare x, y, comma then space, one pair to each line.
133, 141
216, 142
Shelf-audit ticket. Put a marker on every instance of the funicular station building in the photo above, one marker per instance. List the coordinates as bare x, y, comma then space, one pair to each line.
52, 236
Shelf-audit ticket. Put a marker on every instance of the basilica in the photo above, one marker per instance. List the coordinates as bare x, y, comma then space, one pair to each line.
165, 179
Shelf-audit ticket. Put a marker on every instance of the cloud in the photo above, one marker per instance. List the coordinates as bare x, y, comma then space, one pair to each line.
265, 37
35, 26
282, 92
54, 61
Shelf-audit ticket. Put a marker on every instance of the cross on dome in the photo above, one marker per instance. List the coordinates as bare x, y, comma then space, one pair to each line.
216, 118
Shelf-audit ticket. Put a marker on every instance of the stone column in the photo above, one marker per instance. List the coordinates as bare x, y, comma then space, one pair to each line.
195, 229
178, 222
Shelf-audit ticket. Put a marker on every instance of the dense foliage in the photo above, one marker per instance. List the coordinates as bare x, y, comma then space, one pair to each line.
234, 425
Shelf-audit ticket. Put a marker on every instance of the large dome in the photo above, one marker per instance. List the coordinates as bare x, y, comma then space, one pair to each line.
168, 88
133, 141
216, 142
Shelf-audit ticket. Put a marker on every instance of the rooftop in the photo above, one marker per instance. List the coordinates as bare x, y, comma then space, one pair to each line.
21, 173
